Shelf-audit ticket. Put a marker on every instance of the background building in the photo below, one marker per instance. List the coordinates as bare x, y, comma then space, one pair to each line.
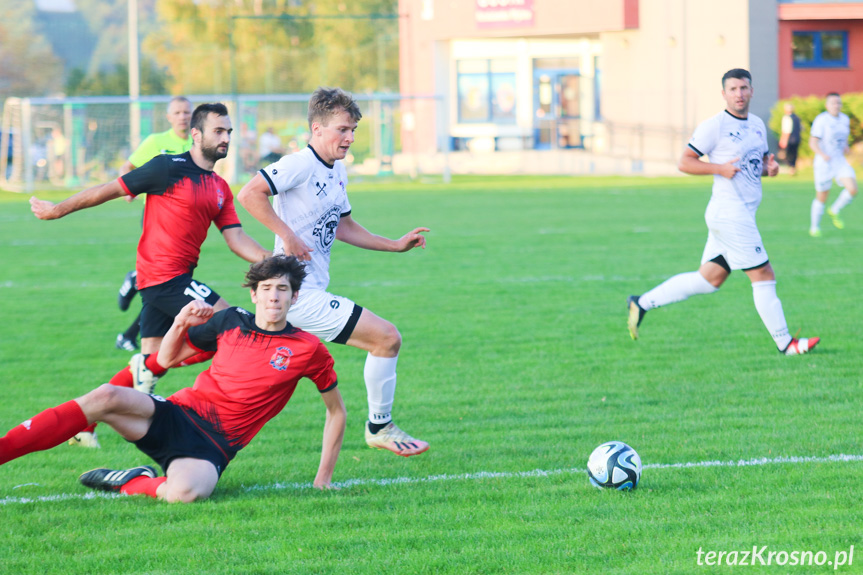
579, 86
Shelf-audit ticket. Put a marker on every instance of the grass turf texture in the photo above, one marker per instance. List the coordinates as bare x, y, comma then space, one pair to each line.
515, 358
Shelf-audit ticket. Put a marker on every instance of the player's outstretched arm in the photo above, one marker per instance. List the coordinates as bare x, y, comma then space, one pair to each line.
174, 347
334, 432
245, 245
45, 210
351, 232
690, 163
412, 239
255, 197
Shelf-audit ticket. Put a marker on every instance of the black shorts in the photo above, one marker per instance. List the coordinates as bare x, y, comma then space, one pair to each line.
162, 303
178, 432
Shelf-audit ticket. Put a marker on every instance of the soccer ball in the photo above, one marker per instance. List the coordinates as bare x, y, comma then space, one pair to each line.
615, 465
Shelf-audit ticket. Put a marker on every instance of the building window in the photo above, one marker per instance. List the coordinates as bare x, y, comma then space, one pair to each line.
486, 91
826, 49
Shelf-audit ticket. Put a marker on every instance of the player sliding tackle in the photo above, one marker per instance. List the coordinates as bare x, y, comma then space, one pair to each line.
196, 432
736, 142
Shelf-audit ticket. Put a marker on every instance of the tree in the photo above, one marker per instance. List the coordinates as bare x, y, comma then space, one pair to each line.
221, 45
116, 82
28, 67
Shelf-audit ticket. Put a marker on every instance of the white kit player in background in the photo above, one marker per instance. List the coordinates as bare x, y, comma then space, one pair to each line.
828, 138
736, 143
311, 210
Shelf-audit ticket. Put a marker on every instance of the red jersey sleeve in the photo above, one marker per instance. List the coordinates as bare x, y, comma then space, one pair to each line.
320, 369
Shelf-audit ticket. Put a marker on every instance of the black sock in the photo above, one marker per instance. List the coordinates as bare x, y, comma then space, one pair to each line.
375, 427
133, 330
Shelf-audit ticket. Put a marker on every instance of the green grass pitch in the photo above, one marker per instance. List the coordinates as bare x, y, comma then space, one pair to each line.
516, 363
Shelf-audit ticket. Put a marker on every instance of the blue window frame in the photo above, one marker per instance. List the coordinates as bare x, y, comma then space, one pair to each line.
820, 49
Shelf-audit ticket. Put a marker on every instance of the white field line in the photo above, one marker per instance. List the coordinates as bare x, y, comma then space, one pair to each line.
349, 483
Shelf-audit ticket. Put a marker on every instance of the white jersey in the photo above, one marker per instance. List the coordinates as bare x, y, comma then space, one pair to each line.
310, 196
832, 133
725, 137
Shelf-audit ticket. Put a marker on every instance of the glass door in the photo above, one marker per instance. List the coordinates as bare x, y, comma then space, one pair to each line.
556, 108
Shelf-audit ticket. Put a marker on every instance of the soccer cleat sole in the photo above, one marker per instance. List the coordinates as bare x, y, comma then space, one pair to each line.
127, 291
405, 449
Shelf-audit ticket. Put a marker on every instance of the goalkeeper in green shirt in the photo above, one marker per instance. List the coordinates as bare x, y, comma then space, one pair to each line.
174, 141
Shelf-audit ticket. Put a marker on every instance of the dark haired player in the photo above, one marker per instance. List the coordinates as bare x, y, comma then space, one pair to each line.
736, 143
196, 432
184, 196
174, 141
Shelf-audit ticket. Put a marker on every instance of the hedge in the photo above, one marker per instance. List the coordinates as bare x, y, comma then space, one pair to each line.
809, 107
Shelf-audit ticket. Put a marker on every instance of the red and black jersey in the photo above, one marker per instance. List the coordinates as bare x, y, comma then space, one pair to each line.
253, 374
182, 201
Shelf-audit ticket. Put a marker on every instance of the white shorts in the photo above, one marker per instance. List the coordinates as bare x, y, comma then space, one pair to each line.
826, 172
327, 316
732, 234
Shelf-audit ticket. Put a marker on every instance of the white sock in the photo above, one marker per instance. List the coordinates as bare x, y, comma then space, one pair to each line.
380, 376
842, 201
815, 213
770, 309
675, 289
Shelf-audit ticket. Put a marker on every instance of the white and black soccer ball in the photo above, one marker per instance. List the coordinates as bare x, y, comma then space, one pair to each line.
614, 465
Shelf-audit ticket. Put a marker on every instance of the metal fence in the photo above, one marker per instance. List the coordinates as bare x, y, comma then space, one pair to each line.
73, 142
76, 142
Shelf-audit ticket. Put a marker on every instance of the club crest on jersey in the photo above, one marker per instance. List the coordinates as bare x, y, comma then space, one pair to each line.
220, 198
736, 136
751, 165
322, 188
281, 359
325, 228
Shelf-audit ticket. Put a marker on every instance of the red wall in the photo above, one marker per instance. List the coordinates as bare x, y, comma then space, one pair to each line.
820, 81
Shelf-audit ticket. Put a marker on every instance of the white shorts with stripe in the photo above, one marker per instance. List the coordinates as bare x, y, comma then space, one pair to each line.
324, 315
732, 234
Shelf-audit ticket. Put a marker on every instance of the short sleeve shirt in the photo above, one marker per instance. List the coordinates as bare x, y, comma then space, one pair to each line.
725, 137
832, 133
183, 200
160, 143
253, 373
310, 196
